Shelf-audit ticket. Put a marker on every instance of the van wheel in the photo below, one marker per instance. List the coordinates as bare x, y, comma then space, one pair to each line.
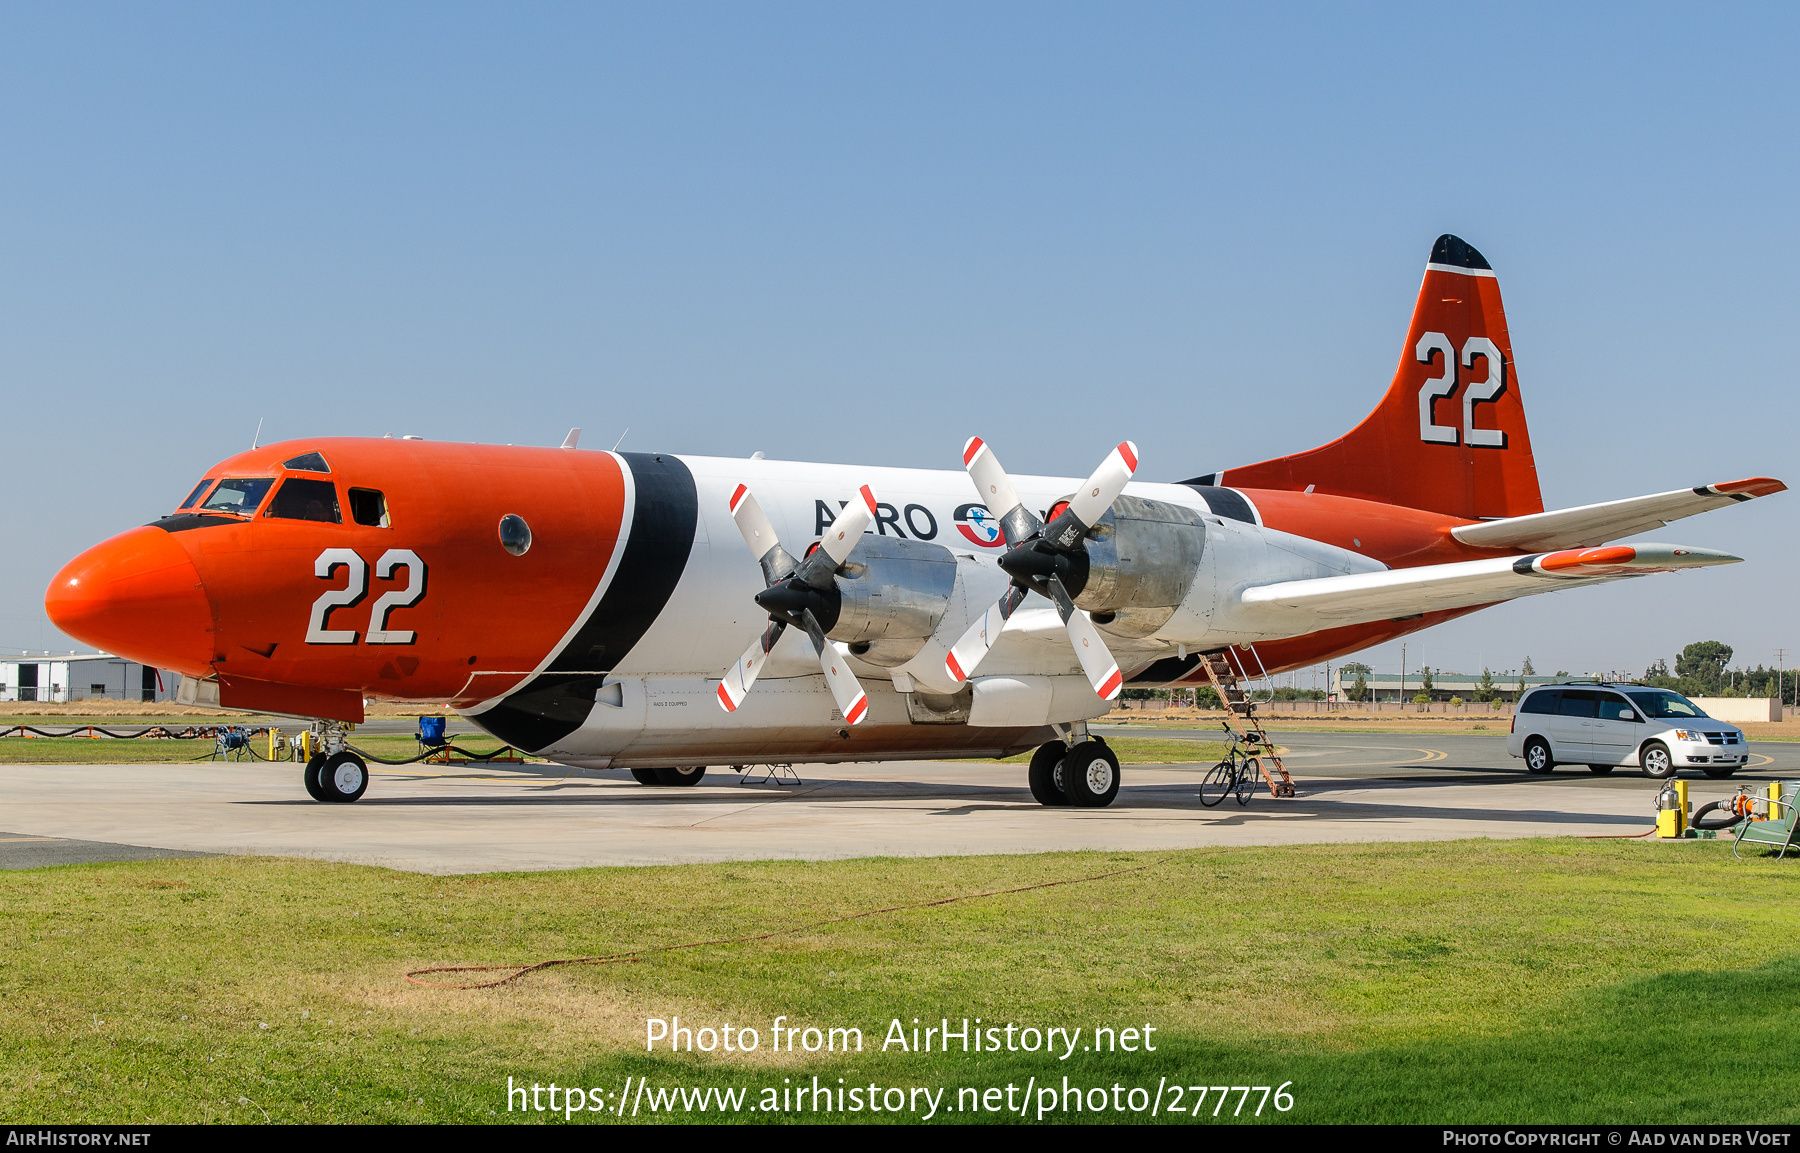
1658, 764
1538, 760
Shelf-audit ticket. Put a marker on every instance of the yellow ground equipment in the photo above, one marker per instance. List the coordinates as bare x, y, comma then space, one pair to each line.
1672, 810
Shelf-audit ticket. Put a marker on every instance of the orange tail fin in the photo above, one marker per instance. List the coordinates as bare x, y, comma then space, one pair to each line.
1450, 434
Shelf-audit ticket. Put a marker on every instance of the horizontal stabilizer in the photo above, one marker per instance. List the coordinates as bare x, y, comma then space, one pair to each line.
1593, 524
1329, 602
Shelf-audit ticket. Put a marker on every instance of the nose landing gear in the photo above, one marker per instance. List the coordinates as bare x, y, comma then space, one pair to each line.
334, 774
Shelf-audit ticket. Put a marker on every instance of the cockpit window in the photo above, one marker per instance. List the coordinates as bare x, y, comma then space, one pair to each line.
369, 507
195, 495
299, 499
307, 462
239, 494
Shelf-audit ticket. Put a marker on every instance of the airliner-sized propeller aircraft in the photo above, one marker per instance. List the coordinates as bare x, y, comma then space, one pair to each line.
595, 607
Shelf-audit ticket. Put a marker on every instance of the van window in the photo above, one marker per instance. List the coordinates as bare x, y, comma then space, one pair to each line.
1613, 707
195, 495
299, 499
1542, 701
1579, 702
368, 507
239, 494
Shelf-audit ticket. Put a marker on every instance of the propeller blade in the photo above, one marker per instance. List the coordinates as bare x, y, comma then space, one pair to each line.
839, 540
974, 644
736, 684
1095, 496
1104, 487
1096, 659
759, 534
845, 688
997, 492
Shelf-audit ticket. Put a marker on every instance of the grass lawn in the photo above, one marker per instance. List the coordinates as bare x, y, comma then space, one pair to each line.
1481, 981
1146, 751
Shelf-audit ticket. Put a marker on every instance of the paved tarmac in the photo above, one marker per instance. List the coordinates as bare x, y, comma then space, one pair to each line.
1353, 787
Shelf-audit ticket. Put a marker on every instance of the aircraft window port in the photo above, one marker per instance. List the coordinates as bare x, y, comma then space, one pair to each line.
368, 507
195, 495
307, 462
299, 499
241, 495
515, 534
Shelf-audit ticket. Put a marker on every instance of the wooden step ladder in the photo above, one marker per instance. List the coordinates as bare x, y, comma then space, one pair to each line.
1227, 682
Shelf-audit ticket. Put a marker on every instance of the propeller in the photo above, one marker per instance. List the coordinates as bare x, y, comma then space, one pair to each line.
801, 593
1045, 558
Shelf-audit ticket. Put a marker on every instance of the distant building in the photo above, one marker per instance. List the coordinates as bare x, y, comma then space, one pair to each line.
1386, 687
62, 678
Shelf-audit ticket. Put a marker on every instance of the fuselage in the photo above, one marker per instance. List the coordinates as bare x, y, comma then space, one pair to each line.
635, 590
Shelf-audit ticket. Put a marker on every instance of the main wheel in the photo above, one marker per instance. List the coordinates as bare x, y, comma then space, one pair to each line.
1045, 774
1248, 779
310, 776
1090, 775
1658, 764
1217, 782
1537, 756
343, 778
645, 776
1600, 770
685, 776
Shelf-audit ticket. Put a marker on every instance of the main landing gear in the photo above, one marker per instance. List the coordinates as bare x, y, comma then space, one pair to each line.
690, 775
334, 774
1086, 776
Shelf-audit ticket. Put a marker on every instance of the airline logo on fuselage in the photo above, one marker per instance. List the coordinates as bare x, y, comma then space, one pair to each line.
916, 522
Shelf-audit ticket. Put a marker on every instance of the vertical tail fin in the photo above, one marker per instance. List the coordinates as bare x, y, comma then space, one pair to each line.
1450, 434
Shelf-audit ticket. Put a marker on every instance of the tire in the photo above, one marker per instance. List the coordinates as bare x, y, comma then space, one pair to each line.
1248, 779
1045, 774
1721, 774
1216, 783
310, 776
1600, 770
343, 778
1538, 759
678, 777
1657, 763
1090, 775
645, 776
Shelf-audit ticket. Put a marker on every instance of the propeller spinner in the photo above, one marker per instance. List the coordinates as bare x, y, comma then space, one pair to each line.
1045, 558
800, 593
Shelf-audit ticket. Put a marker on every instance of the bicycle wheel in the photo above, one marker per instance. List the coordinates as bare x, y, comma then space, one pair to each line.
1217, 782
1247, 781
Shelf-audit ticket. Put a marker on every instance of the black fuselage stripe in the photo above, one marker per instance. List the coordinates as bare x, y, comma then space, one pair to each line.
557, 701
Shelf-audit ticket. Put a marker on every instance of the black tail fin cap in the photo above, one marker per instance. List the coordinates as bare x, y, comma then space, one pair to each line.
1457, 252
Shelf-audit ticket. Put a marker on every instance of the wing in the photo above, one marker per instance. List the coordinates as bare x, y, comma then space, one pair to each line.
1593, 524
1302, 606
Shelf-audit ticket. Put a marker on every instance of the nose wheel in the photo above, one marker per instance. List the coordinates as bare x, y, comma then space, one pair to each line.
336, 779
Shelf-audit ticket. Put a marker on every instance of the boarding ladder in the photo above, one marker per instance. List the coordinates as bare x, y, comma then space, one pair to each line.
1227, 682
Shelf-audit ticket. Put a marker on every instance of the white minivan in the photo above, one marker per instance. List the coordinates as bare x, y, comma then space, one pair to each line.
1604, 726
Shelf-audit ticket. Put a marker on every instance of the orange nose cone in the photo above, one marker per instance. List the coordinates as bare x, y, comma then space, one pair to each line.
137, 596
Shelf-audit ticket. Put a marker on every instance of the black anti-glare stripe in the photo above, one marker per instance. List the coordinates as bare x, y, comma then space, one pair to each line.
558, 700
1225, 502
182, 522
1210, 478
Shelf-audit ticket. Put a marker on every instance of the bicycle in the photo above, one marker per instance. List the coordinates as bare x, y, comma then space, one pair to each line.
1238, 772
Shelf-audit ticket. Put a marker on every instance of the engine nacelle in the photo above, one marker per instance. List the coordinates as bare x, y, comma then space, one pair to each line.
1142, 557
894, 593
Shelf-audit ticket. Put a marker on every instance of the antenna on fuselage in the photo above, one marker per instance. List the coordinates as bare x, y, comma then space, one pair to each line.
573, 439
257, 439
620, 441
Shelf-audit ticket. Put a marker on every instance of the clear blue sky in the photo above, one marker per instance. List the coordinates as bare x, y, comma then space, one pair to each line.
844, 232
